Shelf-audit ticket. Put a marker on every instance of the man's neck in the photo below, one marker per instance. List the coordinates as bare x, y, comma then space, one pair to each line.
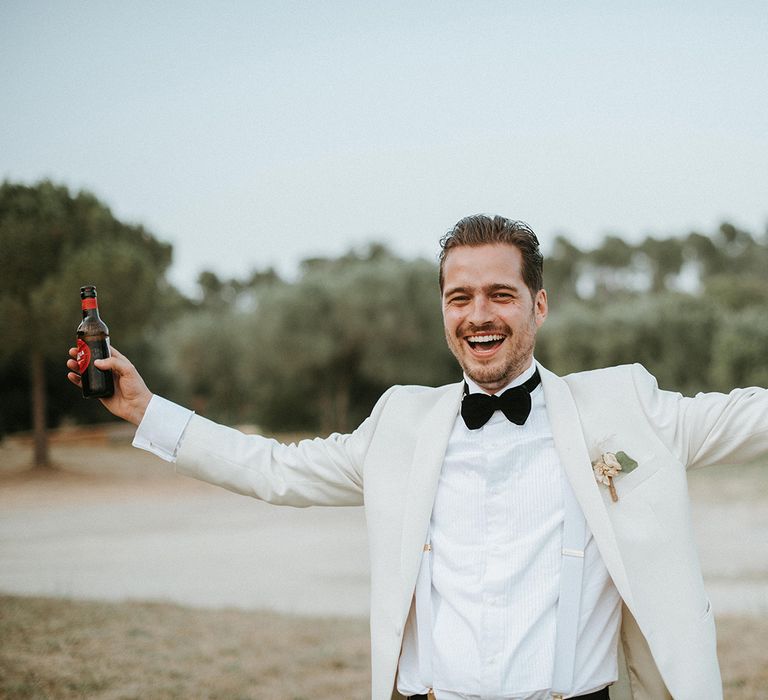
525, 375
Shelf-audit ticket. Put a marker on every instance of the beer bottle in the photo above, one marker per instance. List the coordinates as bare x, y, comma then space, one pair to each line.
93, 344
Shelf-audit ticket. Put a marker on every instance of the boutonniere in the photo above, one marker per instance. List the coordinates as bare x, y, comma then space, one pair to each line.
609, 465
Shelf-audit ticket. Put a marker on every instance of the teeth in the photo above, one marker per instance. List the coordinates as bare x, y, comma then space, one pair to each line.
485, 338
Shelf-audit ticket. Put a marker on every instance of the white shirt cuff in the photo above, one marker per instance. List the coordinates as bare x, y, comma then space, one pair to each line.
162, 427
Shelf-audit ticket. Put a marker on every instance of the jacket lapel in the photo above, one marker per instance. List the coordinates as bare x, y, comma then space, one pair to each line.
423, 478
572, 450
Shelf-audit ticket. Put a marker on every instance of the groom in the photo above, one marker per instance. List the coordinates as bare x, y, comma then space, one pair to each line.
530, 545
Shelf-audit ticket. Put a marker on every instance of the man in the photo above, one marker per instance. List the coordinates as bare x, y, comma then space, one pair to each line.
532, 546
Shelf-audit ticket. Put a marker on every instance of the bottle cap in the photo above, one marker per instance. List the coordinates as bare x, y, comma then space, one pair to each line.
88, 292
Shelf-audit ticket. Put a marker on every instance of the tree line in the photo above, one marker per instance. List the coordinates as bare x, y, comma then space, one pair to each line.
315, 351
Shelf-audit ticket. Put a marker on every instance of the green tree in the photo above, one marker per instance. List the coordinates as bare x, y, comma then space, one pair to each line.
665, 258
562, 268
205, 346
670, 334
51, 243
315, 352
739, 350
612, 267
347, 329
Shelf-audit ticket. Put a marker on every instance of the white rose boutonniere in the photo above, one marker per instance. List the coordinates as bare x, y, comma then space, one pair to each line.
609, 465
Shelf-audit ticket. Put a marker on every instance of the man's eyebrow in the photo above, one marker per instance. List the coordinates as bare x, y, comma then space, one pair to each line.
454, 290
511, 286
488, 289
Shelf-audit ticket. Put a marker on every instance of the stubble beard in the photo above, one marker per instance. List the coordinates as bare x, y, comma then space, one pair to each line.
500, 371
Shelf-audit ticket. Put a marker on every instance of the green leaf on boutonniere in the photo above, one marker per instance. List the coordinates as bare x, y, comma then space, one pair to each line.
626, 462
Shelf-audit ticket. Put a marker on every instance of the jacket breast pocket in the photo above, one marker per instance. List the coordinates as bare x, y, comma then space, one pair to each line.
647, 466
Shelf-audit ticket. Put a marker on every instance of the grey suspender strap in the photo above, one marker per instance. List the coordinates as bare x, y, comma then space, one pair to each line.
569, 602
424, 624
568, 605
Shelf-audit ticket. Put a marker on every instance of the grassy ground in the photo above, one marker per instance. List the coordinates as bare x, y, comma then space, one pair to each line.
65, 649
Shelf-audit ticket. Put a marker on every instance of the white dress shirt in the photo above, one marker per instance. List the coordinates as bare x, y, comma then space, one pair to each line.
496, 532
162, 428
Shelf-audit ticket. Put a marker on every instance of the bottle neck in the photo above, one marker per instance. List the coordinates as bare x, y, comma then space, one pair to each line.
90, 308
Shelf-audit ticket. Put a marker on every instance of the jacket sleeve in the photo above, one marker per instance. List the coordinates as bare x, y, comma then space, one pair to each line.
319, 471
709, 428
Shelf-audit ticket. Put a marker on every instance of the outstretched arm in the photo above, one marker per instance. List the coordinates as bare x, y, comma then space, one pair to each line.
131, 396
312, 472
709, 428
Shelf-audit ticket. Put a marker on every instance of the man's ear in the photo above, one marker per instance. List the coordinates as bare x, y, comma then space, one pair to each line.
540, 307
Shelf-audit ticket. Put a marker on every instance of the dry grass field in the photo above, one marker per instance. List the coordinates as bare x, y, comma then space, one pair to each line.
67, 650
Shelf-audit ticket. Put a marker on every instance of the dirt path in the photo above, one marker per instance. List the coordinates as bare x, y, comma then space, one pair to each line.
118, 524
124, 526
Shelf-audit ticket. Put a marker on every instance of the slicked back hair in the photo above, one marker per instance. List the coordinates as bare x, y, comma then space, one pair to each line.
480, 229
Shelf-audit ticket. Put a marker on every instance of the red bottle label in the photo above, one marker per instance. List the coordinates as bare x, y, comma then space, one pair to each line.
83, 355
89, 303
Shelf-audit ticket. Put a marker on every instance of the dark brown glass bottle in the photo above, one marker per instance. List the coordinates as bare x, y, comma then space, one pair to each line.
93, 344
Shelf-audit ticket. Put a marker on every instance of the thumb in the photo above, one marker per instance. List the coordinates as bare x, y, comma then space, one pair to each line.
117, 362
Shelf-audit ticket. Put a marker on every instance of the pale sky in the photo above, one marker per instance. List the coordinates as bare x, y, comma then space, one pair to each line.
259, 133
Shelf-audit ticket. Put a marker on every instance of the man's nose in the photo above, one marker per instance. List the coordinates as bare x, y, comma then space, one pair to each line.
480, 312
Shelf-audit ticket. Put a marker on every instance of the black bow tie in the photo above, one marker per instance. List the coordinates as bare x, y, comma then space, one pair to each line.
515, 403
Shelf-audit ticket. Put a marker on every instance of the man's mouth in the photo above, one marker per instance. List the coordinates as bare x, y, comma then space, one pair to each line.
486, 343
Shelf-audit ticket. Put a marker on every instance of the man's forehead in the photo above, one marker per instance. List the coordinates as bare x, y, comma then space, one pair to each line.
497, 263
492, 250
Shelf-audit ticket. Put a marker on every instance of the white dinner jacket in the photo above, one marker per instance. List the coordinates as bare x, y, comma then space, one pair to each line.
392, 463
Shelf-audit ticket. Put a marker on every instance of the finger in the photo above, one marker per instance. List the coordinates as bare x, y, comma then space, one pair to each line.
119, 364
74, 378
115, 352
72, 364
73, 352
